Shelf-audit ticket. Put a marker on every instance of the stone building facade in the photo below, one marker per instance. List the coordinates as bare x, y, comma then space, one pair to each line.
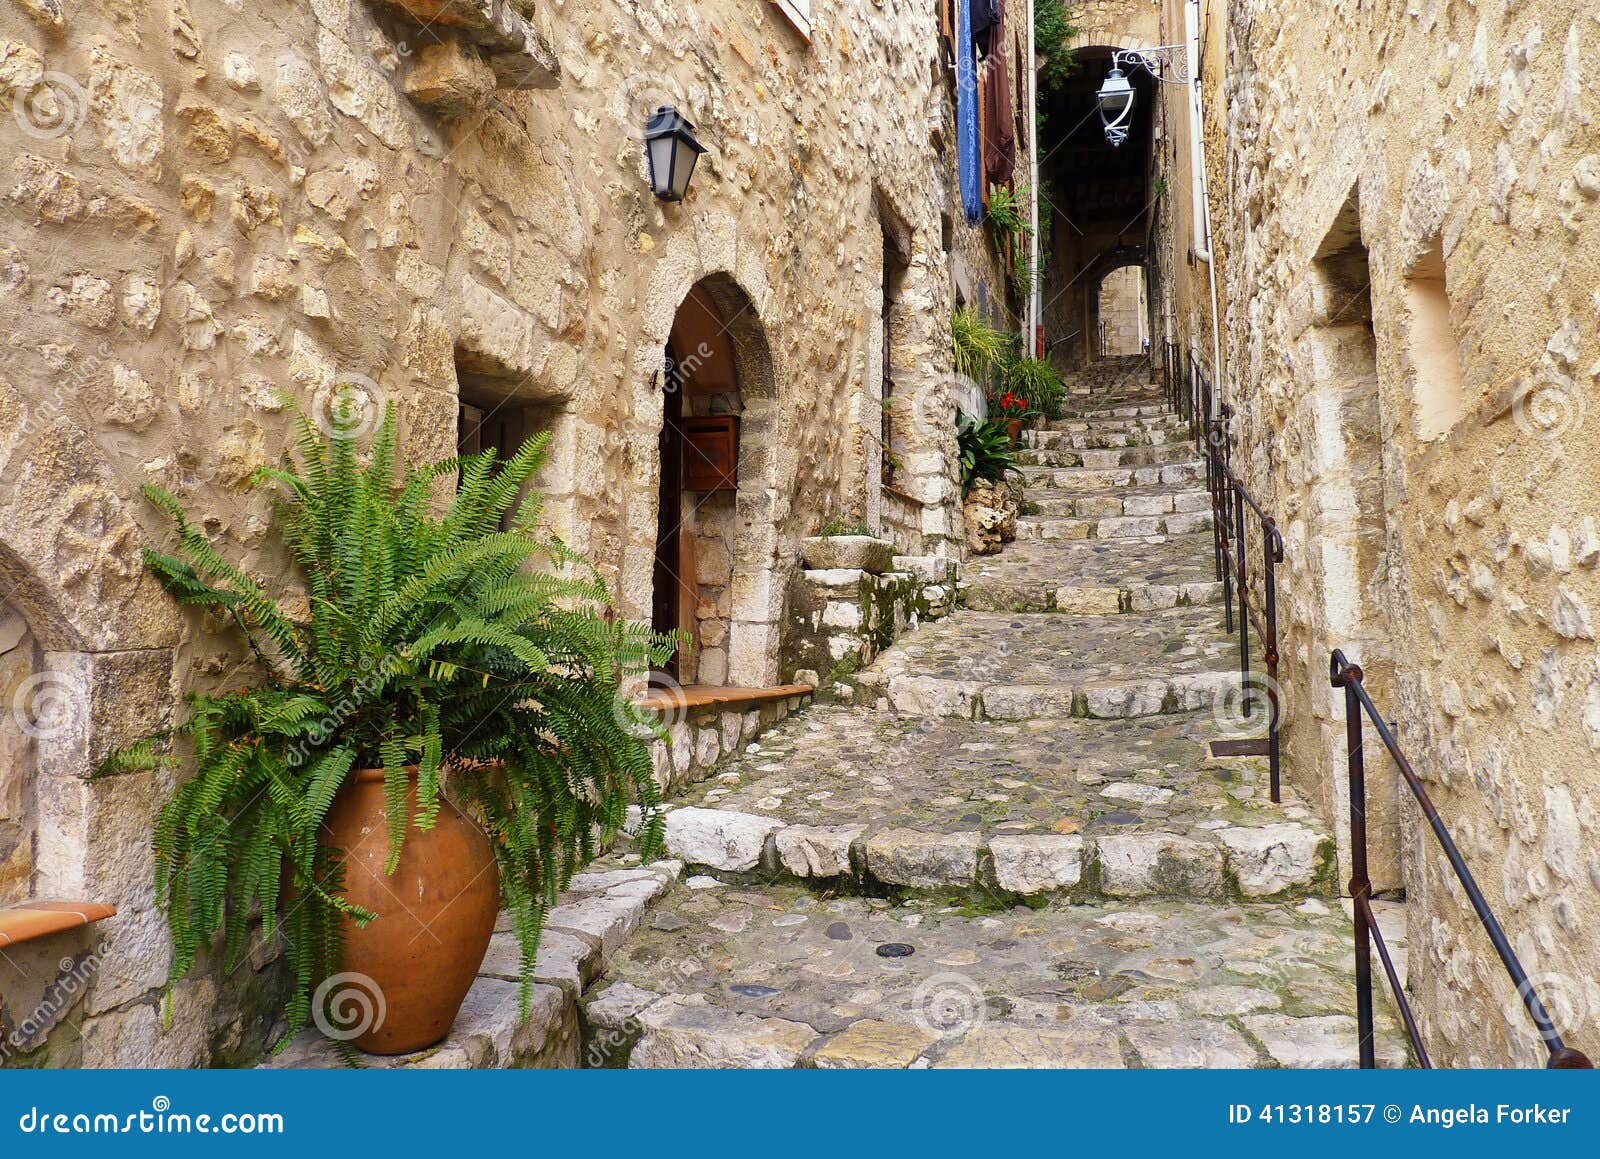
208, 203
1405, 208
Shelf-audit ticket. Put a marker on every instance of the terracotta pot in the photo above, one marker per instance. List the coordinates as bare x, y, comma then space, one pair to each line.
1014, 429
435, 914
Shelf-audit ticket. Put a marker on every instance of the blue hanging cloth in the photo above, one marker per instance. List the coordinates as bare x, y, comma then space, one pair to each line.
968, 152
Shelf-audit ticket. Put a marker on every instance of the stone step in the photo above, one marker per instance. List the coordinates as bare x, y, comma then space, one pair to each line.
1074, 425
1111, 504
1039, 527
1151, 407
1084, 809
1088, 440
976, 665
1095, 577
731, 976
1181, 474
1102, 458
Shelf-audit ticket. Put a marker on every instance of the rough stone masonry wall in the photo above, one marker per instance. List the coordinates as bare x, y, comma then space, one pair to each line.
205, 202
1456, 556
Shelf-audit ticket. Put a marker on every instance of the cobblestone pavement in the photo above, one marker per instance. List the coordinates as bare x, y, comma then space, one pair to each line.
778, 977
1010, 844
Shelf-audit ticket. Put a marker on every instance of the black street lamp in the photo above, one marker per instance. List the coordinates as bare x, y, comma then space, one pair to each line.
671, 149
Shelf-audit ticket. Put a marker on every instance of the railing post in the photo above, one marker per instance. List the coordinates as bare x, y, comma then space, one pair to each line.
1269, 584
1348, 676
1244, 591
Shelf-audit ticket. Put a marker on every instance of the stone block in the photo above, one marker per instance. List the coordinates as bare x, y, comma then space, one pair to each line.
686, 1033
871, 1044
847, 552
1030, 864
1159, 864
1272, 859
449, 76
930, 696
1034, 1048
817, 850
1026, 701
923, 860
719, 839
1089, 601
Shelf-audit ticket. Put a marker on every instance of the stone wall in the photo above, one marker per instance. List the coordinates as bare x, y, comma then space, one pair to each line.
1124, 323
208, 203
1410, 219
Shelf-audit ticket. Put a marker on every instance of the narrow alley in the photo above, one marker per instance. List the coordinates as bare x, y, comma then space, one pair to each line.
868, 885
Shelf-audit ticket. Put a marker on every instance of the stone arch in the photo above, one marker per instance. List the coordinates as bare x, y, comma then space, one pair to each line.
753, 605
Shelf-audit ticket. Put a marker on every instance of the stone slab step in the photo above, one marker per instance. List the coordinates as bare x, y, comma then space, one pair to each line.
1187, 473
1099, 459
1165, 422
777, 977
1037, 527
1156, 500
1150, 407
1011, 667
1279, 861
1104, 577
1082, 440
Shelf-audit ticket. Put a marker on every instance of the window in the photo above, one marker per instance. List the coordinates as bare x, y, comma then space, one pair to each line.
1436, 392
798, 13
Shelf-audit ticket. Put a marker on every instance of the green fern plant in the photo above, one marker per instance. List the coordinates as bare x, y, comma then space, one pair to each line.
437, 641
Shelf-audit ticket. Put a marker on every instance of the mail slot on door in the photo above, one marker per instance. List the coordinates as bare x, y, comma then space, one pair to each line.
711, 453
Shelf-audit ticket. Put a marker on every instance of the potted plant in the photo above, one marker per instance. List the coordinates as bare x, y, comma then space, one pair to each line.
435, 652
1036, 382
1012, 410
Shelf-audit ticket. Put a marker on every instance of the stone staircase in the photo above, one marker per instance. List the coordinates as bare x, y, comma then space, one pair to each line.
1013, 847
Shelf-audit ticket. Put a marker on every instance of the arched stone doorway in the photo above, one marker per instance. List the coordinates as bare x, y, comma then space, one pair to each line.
716, 543
1123, 312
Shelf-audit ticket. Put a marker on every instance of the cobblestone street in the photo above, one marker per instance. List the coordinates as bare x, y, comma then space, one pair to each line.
1012, 846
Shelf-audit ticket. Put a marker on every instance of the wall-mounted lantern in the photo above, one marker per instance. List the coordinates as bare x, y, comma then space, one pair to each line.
671, 149
1115, 99
1116, 94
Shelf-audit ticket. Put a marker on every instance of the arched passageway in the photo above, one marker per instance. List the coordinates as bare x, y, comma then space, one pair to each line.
1100, 204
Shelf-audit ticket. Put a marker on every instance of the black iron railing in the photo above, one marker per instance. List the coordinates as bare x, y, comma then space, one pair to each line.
1348, 676
1248, 599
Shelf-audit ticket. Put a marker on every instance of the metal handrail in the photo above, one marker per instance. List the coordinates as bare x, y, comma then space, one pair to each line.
1348, 676
1229, 500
